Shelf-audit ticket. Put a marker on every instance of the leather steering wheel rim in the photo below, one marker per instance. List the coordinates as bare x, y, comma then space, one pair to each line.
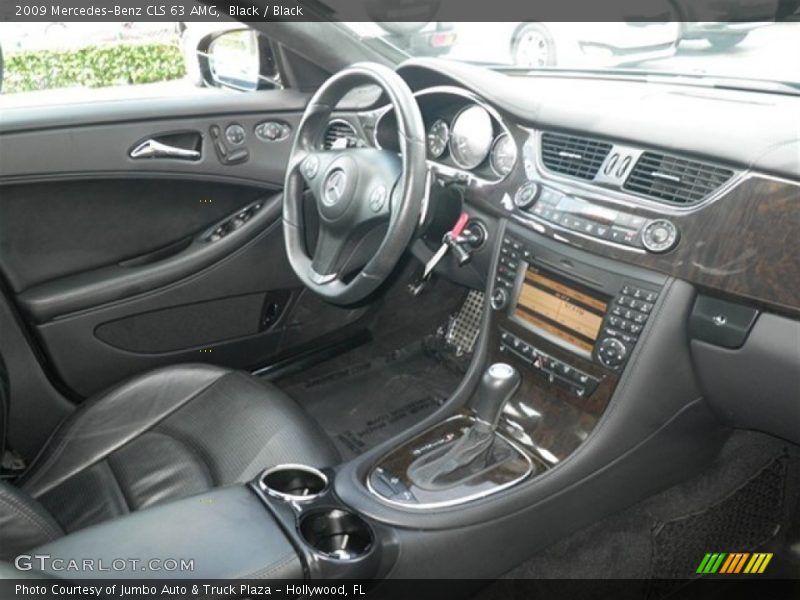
356, 188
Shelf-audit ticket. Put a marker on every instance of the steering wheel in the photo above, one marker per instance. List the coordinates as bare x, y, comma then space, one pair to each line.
369, 201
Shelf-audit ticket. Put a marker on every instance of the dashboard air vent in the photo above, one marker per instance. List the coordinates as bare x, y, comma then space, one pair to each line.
340, 134
572, 155
675, 180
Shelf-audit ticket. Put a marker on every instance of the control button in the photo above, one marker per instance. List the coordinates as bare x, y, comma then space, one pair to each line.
310, 167
235, 134
377, 198
526, 195
272, 131
612, 352
650, 297
619, 234
659, 236
499, 299
508, 262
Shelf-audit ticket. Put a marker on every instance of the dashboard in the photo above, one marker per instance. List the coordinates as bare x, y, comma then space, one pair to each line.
622, 174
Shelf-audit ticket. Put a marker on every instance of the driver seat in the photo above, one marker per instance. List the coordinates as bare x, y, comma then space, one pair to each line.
164, 435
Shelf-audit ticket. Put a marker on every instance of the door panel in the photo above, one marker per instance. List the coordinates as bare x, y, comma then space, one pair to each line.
110, 260
91, 150
152, 267
52, 230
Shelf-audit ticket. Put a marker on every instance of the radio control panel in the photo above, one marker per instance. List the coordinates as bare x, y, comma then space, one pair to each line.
601, 325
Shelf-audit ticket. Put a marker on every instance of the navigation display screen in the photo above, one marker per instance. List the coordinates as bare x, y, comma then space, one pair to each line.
548, 305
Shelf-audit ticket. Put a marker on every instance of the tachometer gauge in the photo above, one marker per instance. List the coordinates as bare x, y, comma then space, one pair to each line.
503, 155
438, 136
471, 136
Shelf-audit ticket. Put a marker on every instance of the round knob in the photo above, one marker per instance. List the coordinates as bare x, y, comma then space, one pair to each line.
526, 195
611, 352
499, 299
235, 134
659, 236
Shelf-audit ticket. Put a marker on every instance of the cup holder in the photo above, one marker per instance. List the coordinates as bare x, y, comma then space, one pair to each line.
294, 482
336, 534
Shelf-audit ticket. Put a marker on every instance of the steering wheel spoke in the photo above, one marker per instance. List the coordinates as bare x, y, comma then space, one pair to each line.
328, 254
312, 164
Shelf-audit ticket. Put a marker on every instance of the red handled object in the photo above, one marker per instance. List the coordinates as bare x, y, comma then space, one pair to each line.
458, 228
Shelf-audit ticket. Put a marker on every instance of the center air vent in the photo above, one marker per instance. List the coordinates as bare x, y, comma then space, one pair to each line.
572, 155
675, 180
340, 134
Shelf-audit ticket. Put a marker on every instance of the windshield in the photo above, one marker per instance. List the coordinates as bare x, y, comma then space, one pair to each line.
751, 53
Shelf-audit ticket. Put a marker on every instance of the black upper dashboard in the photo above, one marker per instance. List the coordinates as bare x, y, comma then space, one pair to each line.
746, 129
697, 183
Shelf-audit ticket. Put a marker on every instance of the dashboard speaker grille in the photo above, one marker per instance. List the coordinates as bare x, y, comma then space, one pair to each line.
340, 134
572, 155
675, 180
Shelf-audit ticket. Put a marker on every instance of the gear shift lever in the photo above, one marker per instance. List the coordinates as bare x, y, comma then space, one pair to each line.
473, 451
498, 384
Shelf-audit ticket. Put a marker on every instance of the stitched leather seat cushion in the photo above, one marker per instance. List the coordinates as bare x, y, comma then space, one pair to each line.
162, 436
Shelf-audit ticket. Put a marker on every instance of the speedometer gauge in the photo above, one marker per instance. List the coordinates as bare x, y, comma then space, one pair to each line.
438, 136
504, 155
471, 136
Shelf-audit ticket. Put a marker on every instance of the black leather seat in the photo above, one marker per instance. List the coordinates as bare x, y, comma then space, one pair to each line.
158, 437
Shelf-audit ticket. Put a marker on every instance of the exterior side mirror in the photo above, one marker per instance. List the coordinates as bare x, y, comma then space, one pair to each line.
239, 59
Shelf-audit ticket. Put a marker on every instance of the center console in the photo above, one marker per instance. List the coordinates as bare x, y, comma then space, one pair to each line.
566, 324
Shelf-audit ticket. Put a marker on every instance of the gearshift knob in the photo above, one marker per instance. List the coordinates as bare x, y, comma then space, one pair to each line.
498, 384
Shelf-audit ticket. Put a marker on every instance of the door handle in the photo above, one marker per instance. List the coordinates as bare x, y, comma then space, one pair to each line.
155, 149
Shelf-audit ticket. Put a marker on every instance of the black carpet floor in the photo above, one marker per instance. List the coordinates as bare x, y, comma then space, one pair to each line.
363, 402
747, 500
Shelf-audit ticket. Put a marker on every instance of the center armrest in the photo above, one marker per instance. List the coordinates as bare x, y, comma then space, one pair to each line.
228, 533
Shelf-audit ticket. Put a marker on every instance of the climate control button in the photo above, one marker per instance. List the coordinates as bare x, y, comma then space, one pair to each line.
659, 236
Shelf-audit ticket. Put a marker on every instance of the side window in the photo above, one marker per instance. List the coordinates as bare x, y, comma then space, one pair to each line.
56, 63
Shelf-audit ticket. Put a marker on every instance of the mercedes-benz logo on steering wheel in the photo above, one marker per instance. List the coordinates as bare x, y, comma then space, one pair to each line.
333, 189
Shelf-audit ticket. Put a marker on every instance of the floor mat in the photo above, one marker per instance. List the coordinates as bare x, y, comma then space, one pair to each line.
366, 403
745, 501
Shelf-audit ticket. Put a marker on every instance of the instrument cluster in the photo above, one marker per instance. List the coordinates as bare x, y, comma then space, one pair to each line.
461, 133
